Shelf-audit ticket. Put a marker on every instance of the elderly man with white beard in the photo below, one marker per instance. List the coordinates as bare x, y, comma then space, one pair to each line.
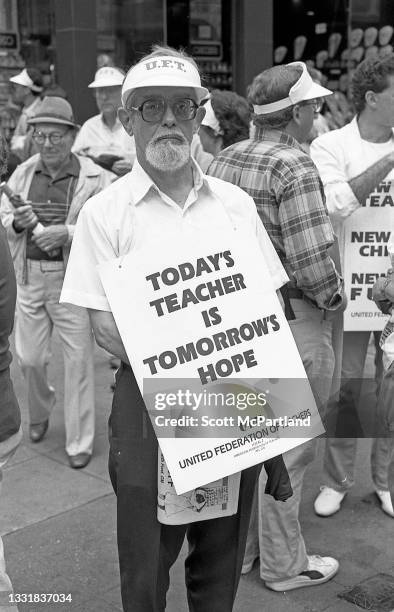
164, 195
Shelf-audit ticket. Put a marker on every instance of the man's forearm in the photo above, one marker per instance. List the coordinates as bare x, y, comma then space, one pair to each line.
363, 184
320, 280
106, 333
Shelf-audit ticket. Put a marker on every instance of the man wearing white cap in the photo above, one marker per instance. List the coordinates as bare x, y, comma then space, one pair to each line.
290, 201
226, 121
27, 87
47, 193
103, 137
164, 193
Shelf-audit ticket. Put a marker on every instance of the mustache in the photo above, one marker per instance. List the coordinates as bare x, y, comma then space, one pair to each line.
165, 135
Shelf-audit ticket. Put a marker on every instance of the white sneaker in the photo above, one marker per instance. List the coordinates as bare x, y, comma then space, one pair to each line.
328, 501
386, 502
320, 569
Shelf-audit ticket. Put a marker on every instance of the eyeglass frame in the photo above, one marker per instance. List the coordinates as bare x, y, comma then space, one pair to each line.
166, 104
316, 102
48, 137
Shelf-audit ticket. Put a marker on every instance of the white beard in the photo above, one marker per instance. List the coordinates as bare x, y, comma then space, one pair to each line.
167, 155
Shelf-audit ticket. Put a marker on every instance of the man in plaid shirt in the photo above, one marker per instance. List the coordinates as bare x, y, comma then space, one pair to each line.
287, 190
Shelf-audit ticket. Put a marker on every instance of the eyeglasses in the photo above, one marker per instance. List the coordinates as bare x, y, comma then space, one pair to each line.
152, 110
53, 137
316, 104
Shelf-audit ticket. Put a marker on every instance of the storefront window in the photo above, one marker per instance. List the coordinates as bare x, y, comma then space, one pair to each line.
10, 63
209, 41
126, 29
203, 28
37, 33
10, 60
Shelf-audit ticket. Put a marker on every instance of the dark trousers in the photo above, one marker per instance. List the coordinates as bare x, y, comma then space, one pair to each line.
147, 549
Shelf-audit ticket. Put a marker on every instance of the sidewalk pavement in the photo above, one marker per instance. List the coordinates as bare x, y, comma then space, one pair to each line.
60, 531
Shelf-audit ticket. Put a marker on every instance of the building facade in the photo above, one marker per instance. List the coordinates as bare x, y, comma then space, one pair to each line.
232, 40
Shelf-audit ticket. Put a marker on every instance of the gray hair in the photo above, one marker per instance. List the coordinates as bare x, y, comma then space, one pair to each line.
270, 86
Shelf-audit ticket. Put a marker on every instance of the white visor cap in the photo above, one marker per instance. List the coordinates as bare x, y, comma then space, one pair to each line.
210, 119
304, 89
22, 78
108, 76
163, 71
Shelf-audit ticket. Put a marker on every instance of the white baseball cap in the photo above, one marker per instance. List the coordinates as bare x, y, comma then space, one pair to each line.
23, 78
304, 89
210, 119
163, 70
108, 76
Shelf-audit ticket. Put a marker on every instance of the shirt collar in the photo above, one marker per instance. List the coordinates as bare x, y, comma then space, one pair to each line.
353, 126
31, 109
278, 136
141, 182
70, 168
117, 124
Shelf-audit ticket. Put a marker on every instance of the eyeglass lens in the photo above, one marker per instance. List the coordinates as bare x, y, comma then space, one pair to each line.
153, 110
53, 137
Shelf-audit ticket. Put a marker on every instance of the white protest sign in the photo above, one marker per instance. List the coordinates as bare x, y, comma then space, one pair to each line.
196, 313
366, 235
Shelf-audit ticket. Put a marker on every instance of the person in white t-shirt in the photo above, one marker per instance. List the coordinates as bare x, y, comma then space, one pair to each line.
353, 162
103, 137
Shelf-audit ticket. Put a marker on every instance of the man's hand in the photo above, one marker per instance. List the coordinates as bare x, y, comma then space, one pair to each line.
331, 315
51, 237
107, 334
121, 167
24, 218
383, 289
391, 157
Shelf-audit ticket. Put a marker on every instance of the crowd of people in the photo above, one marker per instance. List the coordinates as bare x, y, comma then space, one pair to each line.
164, 153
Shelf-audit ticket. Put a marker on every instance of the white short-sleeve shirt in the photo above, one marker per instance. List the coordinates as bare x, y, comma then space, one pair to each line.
96, 138
340, 156
125, 214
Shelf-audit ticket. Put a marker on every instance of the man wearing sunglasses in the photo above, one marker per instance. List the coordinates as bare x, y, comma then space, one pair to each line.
165, 192
47, 193
286, 188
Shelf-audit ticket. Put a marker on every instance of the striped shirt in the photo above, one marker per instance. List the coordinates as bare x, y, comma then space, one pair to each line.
51, 199
289, 196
